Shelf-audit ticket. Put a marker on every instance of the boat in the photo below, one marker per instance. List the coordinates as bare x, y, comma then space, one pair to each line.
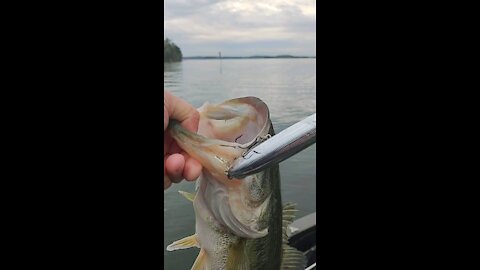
302, 236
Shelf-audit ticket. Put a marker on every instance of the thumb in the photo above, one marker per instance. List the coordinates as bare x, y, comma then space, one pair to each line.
165, 117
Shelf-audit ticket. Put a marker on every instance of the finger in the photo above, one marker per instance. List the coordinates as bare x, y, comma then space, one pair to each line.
192, 169
170, 145
174, 148
174, 166
165, 114
180, 110
167, 141
166, 182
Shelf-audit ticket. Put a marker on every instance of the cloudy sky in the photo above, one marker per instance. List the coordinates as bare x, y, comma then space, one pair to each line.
241, 27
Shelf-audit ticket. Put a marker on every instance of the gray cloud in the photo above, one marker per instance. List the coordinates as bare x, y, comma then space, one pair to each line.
241, 28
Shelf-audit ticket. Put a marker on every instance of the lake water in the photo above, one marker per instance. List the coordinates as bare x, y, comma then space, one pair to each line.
287, 86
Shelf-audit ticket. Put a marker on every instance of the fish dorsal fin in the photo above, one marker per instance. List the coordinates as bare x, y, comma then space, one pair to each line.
292, 258
187, 242
201, 261
288, 215
189, 196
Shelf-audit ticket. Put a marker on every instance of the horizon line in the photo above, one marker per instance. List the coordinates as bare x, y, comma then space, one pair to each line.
279, 55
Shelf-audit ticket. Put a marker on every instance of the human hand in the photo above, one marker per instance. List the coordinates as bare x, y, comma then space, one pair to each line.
177, 164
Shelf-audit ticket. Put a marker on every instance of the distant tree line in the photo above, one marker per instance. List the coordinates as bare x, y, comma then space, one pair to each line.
171, 52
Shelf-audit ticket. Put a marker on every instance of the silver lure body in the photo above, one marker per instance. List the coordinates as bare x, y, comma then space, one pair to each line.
276, 149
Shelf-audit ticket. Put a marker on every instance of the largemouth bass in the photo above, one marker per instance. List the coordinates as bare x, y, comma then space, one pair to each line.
239, 223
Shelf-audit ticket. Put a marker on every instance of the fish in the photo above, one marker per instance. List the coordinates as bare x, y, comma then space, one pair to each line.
239, 223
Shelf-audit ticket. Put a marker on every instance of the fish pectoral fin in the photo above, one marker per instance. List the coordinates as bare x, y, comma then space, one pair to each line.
201, 261
292, 258
237, 258
187, 242
189, 196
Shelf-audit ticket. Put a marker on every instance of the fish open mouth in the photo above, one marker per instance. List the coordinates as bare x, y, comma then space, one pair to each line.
239, 120
225, 132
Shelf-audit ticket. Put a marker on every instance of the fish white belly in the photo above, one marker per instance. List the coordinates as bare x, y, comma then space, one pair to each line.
213, 237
